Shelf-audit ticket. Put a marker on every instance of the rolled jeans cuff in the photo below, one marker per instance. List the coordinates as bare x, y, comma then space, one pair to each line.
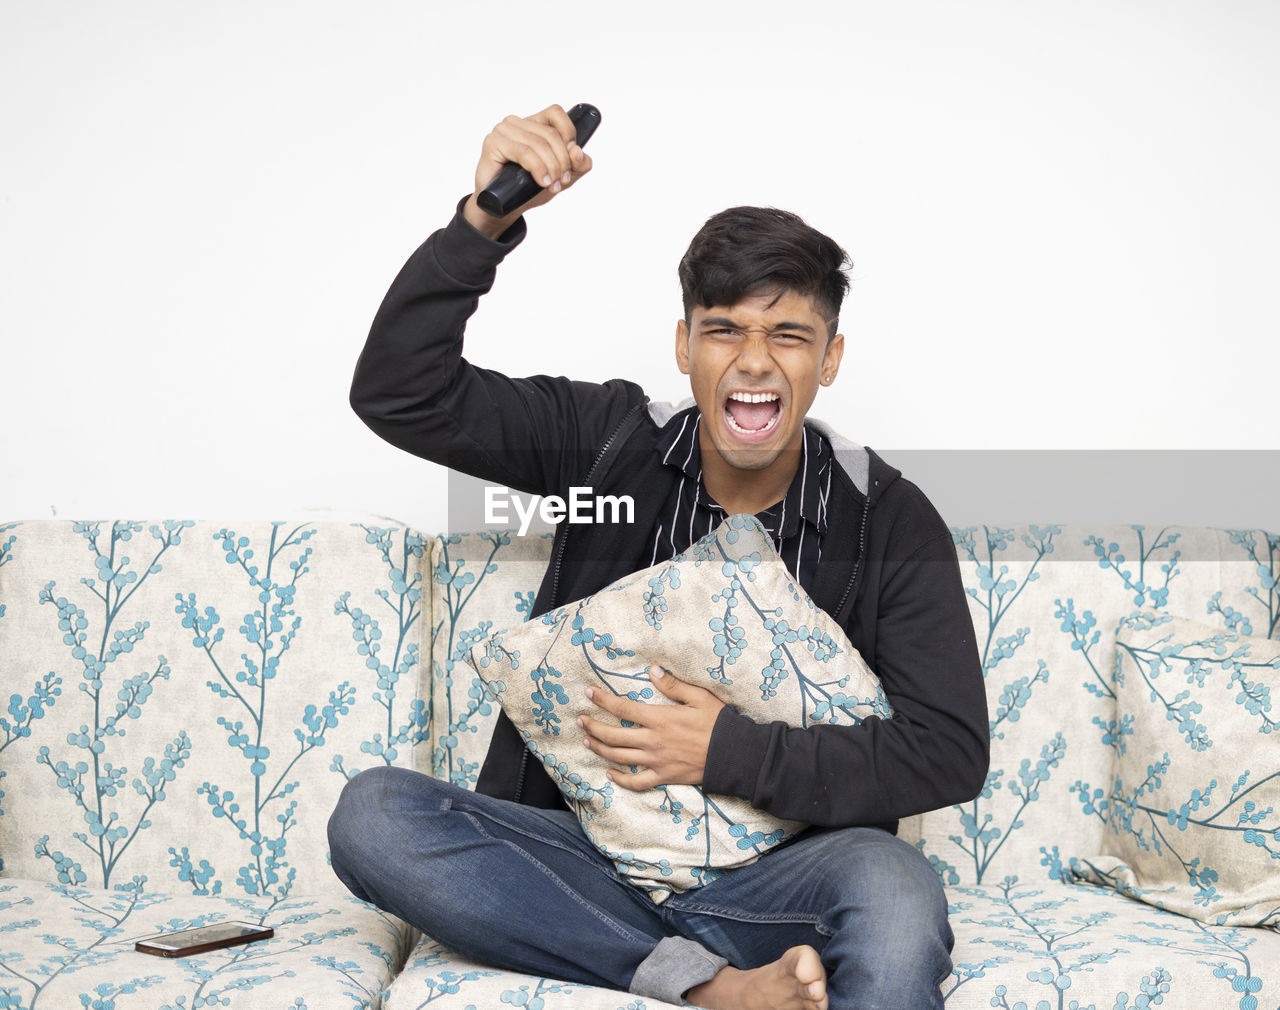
674, 967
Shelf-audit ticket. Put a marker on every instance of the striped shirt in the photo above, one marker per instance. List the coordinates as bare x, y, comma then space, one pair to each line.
797, 523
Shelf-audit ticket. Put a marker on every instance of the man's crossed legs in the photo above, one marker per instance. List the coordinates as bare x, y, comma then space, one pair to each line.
523, 889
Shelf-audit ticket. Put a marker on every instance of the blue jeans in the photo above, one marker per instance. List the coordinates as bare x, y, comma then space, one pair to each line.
523, 889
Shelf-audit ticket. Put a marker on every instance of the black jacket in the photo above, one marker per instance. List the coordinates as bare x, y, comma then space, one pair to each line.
888, 571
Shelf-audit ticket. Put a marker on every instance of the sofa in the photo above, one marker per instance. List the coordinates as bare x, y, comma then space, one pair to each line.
183, 701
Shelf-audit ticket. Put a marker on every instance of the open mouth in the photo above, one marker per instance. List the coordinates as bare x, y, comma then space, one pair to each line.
753, 414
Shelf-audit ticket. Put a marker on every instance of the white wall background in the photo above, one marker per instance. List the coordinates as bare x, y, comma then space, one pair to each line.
1063, 218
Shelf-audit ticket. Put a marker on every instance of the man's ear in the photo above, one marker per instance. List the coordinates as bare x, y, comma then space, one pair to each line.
831, 359
682, 346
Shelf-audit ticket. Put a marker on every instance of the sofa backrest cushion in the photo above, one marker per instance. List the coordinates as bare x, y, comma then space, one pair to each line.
184, 701
1045, 602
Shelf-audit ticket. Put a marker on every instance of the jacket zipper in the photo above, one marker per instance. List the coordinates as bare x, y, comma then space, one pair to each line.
862, 550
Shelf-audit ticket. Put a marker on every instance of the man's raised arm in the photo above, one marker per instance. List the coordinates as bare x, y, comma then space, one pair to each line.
412, 385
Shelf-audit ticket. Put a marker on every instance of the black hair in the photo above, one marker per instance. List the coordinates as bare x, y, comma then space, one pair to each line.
747, 250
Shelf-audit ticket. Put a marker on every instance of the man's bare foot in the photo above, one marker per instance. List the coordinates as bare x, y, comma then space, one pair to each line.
796, 981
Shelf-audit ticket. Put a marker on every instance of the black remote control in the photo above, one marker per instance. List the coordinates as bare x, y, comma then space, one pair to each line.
513, 186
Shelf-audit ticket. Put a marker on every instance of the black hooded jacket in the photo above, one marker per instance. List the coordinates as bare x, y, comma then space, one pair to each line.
888, 571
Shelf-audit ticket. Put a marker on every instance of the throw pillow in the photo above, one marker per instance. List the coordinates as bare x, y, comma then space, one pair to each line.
1194, 805
725, 615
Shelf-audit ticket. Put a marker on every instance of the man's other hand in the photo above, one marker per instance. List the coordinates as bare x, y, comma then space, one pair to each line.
545, 145
668, 743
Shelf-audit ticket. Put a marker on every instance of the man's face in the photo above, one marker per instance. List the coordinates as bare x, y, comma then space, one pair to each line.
754, 369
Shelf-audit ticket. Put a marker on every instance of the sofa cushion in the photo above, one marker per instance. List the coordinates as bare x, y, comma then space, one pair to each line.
186, 700
1041, 944
480, 581
73, 947
1045, 602
725, 615
1194, 804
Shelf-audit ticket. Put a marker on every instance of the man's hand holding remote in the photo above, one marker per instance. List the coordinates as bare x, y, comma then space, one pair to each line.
543, 144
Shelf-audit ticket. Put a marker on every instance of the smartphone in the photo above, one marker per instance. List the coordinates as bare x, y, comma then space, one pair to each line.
203, 938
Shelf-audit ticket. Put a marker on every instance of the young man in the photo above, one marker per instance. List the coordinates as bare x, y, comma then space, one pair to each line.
846, 915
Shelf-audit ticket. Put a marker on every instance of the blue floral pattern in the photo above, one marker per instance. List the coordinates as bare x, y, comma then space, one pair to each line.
65, 946
463, 570
397, 667
22, 710
98, 788
1046, 945
98, 665
725, 615
1192, 806
263, 814
160, 766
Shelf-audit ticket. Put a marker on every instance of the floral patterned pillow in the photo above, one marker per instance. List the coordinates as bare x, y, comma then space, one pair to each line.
725, 615
1194, 804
